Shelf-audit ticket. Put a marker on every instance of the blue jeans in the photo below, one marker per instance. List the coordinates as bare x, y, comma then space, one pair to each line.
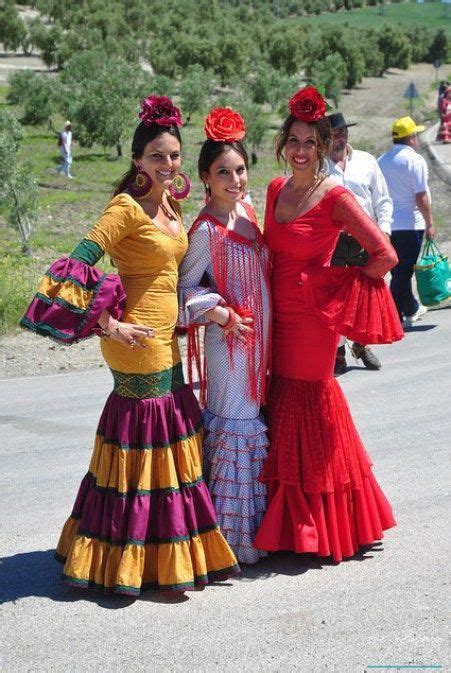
407, 245
65, 166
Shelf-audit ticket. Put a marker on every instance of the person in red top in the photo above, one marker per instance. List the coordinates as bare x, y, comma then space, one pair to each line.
444, 131
323, 497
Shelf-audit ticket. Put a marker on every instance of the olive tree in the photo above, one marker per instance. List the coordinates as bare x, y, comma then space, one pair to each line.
195, 88
100, 95
18, 192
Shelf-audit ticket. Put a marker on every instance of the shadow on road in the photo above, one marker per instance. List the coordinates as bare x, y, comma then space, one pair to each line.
36, 573
419, 328
289, 563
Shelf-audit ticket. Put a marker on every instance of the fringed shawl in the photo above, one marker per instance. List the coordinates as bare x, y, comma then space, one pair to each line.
229, 260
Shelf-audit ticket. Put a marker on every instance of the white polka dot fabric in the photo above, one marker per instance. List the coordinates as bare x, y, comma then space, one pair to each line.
236, 441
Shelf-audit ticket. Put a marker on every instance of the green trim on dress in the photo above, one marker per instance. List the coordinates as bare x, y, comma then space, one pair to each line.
142, 386
88, 252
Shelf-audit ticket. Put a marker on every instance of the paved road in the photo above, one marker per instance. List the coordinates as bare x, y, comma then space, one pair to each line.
386, 606
440, 153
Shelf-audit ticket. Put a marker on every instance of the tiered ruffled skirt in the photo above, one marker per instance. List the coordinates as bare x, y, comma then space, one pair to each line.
234, 451
323, 497
143, 517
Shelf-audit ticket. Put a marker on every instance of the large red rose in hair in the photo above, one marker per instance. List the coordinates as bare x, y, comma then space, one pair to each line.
224, 125
159, 110
307, 105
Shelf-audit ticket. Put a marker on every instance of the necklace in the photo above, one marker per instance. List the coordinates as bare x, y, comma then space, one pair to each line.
170, 215
309, 191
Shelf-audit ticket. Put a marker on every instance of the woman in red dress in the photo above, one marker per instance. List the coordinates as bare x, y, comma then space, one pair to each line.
444, 131
323, 497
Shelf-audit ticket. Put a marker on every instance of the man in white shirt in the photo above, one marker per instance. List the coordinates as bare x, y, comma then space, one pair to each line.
359, 172
65, 143
406, 174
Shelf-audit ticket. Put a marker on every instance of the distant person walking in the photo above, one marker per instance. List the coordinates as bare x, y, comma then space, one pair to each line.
360, 173
441, 93
444, 131
406, 174
65, 142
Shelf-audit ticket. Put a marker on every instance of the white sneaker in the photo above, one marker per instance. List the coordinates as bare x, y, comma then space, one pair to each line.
409, 319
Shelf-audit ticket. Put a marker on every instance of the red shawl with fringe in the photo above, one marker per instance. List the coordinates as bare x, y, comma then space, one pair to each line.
231, 261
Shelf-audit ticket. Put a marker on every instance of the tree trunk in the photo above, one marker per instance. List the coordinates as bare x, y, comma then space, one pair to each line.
119, 149
24, 228
254, 158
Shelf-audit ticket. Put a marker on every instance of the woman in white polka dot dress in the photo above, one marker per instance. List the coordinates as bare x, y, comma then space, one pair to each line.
224, 285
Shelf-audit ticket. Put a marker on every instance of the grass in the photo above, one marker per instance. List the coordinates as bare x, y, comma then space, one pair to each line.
17, 281
434, 15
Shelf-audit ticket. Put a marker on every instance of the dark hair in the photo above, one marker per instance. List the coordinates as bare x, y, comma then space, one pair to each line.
212, 149
404, 140
323, 134
144, 134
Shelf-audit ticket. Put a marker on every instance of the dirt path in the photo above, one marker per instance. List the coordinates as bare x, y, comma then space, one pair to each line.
374, 104
377, 101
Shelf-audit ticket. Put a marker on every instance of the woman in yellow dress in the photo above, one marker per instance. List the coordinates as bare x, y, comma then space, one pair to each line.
143, 517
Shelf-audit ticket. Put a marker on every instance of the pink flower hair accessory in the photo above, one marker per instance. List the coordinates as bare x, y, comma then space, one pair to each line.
159, 110
308, 105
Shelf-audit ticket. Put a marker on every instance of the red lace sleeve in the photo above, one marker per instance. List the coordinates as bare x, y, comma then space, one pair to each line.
348, 215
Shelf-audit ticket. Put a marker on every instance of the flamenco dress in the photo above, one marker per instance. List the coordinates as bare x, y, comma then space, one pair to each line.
143, 517
323, 496
222, 267
444, 130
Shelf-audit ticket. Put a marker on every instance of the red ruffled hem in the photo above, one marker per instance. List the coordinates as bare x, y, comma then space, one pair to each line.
327, 524
355, 305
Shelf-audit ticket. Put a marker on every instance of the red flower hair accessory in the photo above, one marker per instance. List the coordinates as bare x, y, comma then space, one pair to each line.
159, 110
224, 125
307, 105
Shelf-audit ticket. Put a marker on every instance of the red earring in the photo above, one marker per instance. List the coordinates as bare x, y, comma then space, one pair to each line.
140, 185
180, 187
207, 192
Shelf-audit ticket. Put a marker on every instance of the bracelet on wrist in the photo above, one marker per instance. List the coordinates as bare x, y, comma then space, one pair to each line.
110, 328
233, 318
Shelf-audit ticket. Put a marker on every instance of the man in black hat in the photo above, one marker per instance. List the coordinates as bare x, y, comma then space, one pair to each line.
360, 173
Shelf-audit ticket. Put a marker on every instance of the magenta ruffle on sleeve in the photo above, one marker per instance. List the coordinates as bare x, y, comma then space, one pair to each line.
357, 306
70, 300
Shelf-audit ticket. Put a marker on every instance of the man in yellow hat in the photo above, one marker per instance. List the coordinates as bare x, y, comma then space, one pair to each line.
406, 175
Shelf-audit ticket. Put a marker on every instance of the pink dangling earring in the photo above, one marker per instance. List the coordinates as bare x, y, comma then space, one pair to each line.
140, 185
180, 186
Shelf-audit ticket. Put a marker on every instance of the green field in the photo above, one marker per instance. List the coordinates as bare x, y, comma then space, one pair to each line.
433, 15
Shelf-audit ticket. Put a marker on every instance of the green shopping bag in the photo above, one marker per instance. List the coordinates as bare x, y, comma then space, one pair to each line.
432, 275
